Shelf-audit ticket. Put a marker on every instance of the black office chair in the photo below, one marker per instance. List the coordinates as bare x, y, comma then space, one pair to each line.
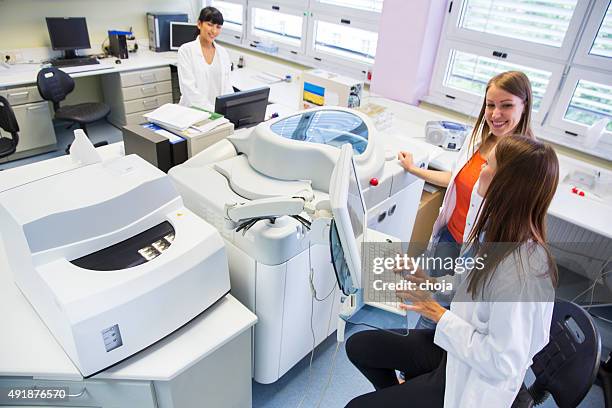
54, 85
567, 366
8, 123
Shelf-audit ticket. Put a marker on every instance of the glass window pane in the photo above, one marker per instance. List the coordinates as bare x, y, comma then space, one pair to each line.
603, 42
345, 41
369, 5
537, 21
277, 26
470, 73
232, 14
591, 101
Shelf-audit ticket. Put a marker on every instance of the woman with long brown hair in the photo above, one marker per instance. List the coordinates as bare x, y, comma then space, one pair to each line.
506, 110
501, 313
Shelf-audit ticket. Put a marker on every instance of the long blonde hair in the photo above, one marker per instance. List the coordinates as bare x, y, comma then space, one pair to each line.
516, 83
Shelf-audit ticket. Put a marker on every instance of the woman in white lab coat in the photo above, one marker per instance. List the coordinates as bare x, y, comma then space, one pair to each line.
203, 65
506, 110
501, 314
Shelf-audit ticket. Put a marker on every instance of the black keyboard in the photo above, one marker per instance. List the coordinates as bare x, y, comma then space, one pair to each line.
74, 62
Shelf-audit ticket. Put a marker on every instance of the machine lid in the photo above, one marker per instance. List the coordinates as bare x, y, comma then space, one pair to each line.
329, 126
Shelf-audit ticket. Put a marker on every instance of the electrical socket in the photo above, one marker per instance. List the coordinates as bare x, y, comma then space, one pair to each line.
9, 57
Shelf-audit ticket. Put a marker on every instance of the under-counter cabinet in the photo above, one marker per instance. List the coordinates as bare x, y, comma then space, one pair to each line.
34, 116
132, 94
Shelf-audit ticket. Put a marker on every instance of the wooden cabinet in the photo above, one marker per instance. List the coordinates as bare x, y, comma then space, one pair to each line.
132, 94
34, 116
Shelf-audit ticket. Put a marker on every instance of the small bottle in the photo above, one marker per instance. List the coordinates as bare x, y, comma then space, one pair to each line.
595, 132
241, 62
82, 150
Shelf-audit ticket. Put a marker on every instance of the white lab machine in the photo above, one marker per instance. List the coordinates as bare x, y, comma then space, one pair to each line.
110, 258
280, 265
323, 88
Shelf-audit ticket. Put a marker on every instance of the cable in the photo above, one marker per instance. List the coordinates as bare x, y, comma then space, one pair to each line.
331, 374
313, 297
592, 287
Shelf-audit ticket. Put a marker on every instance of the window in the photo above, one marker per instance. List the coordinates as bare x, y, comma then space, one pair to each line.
585, 99
463, 70
342, 40
271, 23
595, 49
233, 19
544, 27
563, 46
367, 5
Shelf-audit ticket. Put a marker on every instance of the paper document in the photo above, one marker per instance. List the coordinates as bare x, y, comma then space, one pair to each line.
176, 116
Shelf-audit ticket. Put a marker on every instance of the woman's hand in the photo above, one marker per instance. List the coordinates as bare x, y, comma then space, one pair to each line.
430, 309
406, 160
422, 301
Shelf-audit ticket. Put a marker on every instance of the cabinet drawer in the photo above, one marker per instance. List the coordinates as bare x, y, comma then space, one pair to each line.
136, 118
148, 76
35, 126
146, 90
20, 96
147, 104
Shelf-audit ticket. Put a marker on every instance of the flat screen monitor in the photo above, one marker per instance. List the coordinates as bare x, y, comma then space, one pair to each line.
348, 226
181, 33
68, 34
246, 108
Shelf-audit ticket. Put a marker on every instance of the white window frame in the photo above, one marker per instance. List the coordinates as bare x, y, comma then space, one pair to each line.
594, 22
571, 82
284, 49
345, 12
498, 42
227, 35
469, 103
325, 57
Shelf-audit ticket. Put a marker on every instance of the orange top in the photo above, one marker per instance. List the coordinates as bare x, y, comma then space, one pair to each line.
464, 183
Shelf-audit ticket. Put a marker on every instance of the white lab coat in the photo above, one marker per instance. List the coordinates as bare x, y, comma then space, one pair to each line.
194, 75
490, 344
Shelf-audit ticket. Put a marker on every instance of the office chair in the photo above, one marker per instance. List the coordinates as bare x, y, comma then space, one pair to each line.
54, 85
567, 366
8, 122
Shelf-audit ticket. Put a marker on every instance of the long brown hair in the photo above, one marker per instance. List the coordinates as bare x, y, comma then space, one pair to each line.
516, 83
515, 204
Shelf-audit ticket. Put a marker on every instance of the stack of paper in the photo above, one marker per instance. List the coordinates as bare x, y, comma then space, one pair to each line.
176, 117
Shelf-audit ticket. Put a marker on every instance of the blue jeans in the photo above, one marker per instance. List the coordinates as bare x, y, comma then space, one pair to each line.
449, 249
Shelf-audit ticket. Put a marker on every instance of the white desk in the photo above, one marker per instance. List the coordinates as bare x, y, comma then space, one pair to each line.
408, 124
207, 362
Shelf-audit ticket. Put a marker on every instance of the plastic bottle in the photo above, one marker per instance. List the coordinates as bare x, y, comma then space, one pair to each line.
82, 150
594, 132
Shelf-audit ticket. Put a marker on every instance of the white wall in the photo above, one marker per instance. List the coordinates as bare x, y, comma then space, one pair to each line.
22, 22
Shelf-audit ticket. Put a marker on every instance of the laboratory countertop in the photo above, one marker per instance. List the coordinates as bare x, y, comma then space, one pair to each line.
23, 331
21, 74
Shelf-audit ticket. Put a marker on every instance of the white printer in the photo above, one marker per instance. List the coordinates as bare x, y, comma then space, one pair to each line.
110, 258
278, 268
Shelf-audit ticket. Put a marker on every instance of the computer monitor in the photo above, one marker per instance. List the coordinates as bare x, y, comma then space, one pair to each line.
246, 108
349, 221
68, 34
181, 33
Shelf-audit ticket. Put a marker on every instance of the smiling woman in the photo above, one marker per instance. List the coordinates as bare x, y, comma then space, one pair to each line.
203, 65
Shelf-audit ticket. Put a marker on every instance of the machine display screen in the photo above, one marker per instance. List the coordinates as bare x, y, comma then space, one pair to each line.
331, 127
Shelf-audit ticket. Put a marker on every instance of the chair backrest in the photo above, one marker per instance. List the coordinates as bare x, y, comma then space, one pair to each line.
567, 366
54, 84
8, 122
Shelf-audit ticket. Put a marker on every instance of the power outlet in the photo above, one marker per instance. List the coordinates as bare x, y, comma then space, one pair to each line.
9, 57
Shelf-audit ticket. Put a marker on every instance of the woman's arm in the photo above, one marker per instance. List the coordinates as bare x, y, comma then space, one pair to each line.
439, 178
